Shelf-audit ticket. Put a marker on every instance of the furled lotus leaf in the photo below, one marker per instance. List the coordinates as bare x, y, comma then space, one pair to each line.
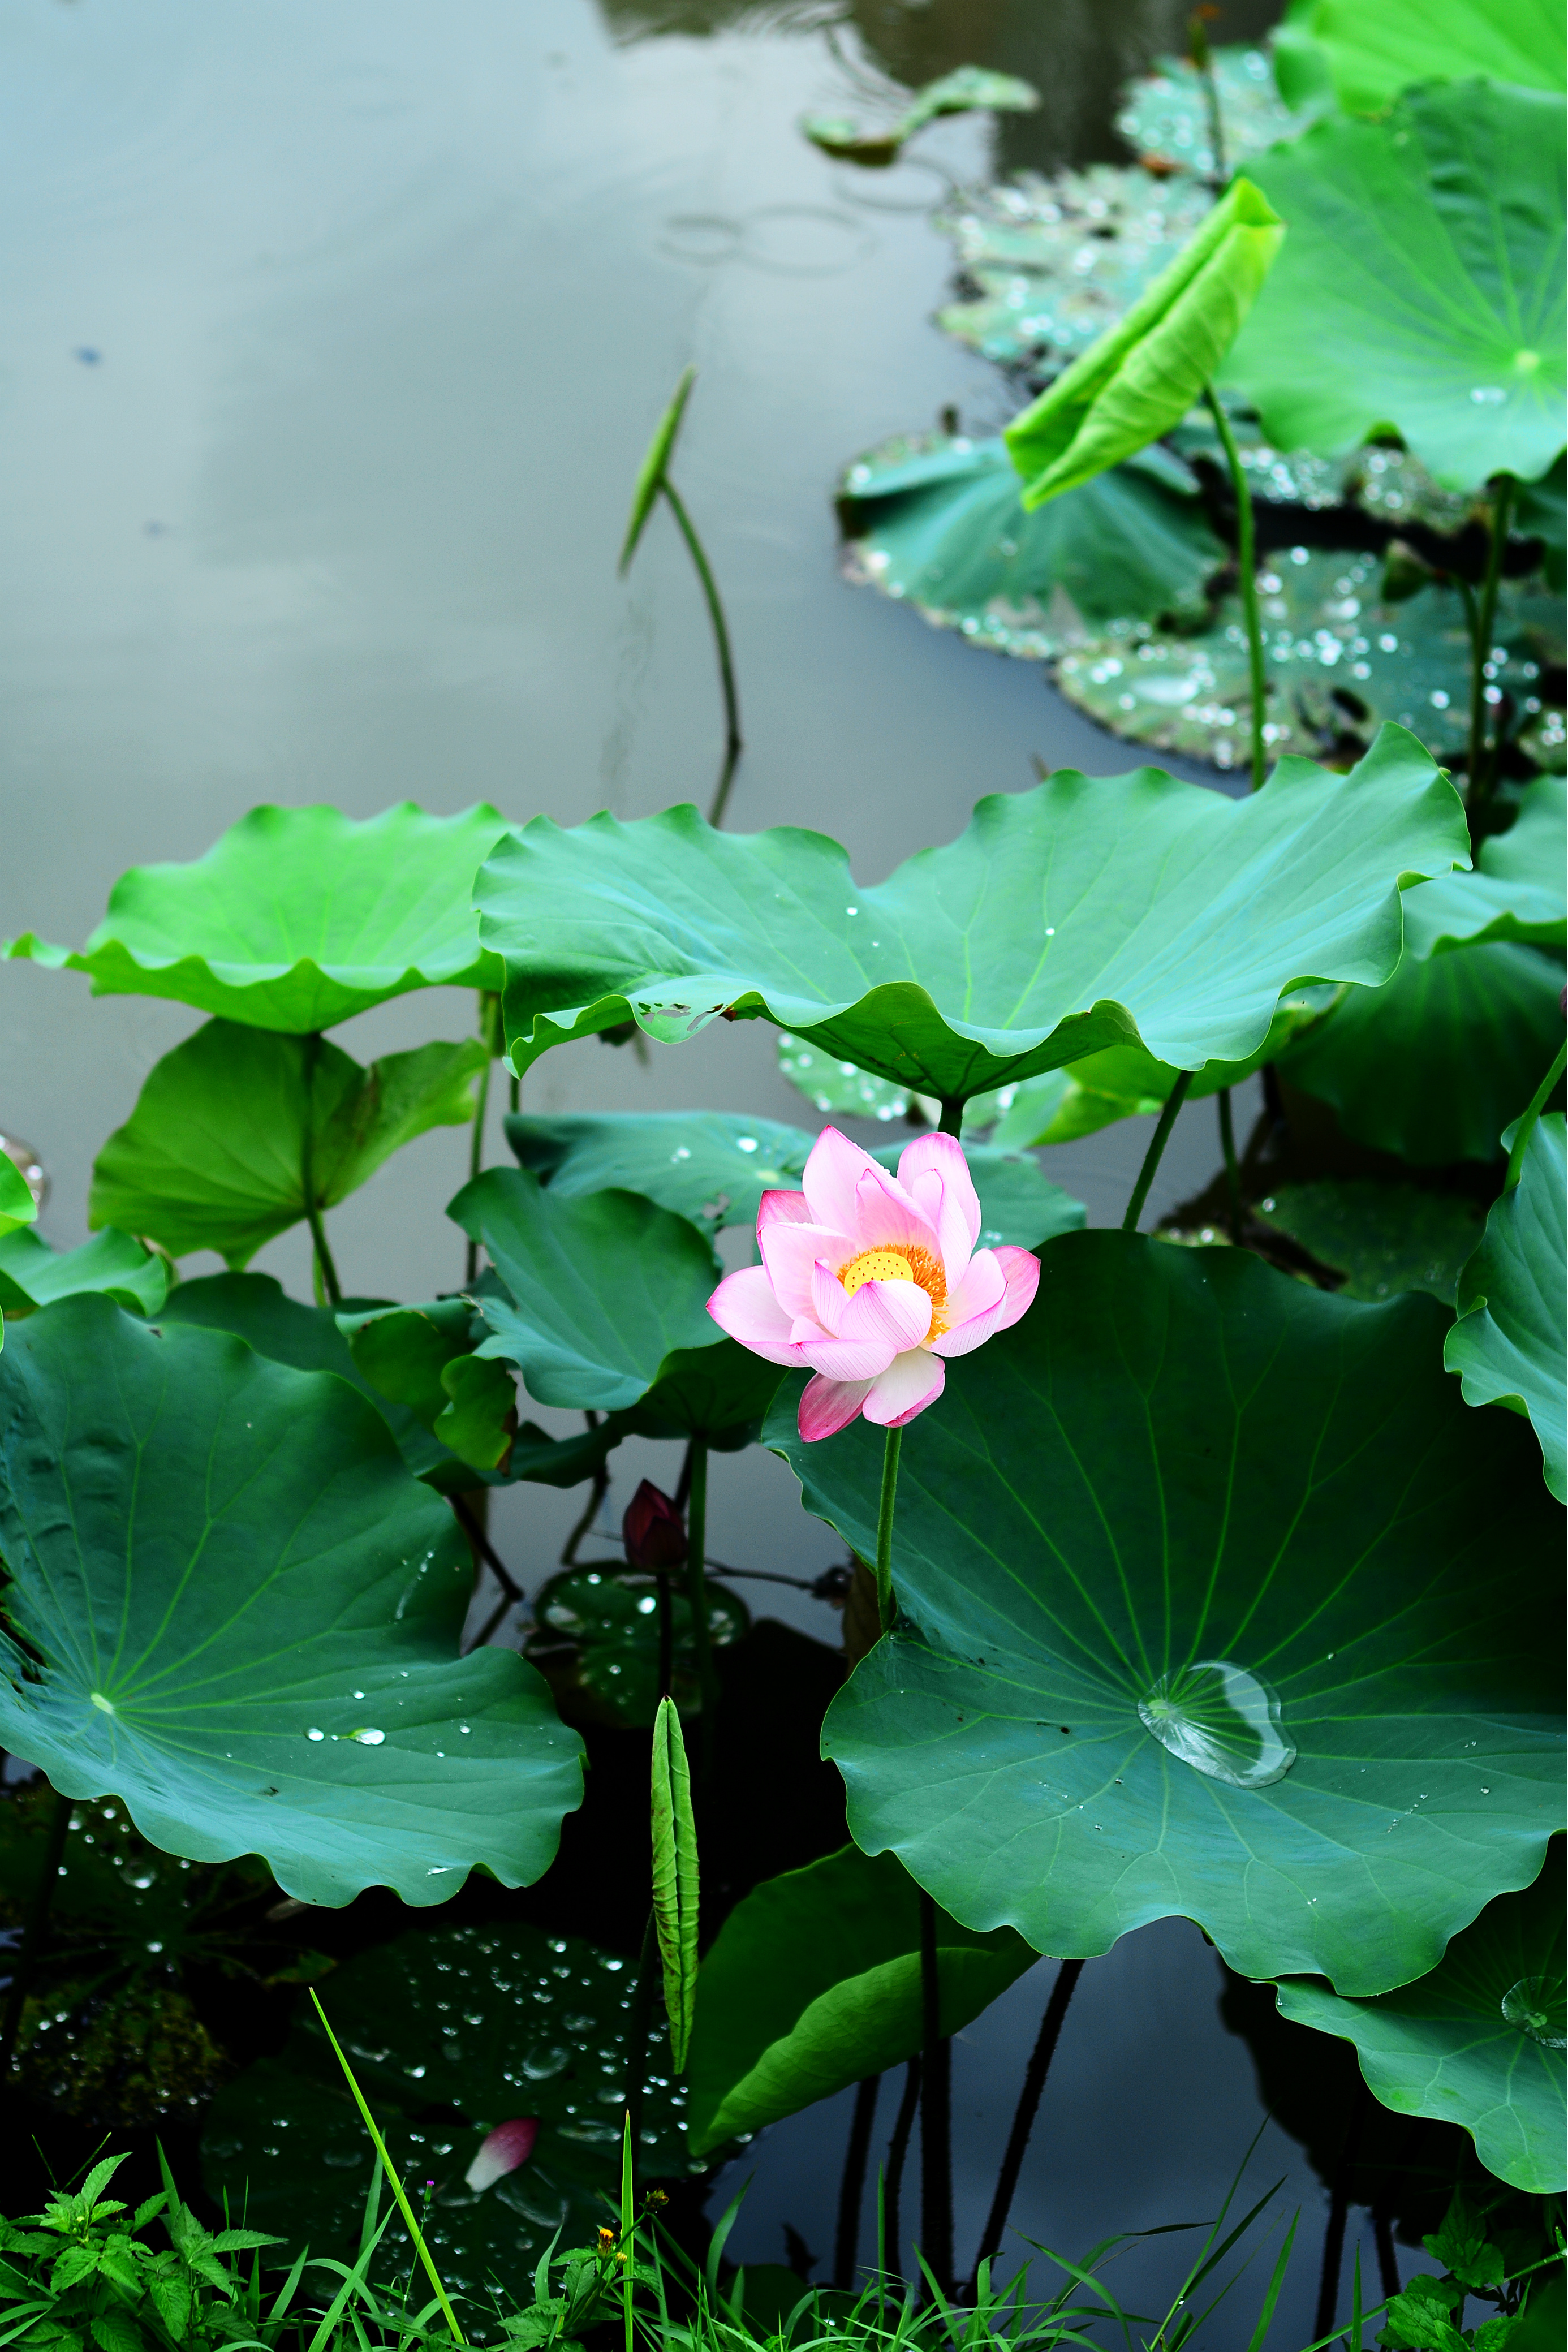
1479, 2042
241, 1615
1423, 271
213, 1155
297, 918
1217, 1602
656, 458
1510, 1345
1376, 49
32, 1273
813, 1983
1088, 912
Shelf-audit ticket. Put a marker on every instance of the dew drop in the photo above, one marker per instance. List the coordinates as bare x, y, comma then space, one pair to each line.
368, 1738
1222, 1721
1535, 2005
315, 1735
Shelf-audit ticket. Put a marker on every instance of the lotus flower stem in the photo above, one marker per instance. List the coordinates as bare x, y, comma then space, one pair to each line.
1232, 1174
936, 2111
1482, 772
35, 1934
1156, 1151
887, 1607
325, 1271
640, 2011
1246, 565
697, 1592
1039, 2066
852, 2187
732, 743
1533, 1109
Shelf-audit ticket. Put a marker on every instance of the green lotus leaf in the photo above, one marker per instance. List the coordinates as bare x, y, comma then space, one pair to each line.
656, 458
213, 1155
599, 1289
813, 1983
1541, 511
717, 1393
1088, 912
1144, 374
839, 1090
1423, 272
234, 1609
422, 1357
1378, 49
1517, 891
1510, 1345
1479, 2042
1164, 115
449, 2033
1435, 1065
18, 1206
297, 918
32, 1273
1382, 1238
941, 524
968, 89
596, 1641
1216, 1602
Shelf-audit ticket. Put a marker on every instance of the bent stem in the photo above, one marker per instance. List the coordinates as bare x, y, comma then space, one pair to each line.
1533, 1109
1232, 1174
1246, 565
887, 1608
936, 2111
1156, 1151
1482, 614
1039, 2066
35, 1934
732, 743
697, 1593
327, 1289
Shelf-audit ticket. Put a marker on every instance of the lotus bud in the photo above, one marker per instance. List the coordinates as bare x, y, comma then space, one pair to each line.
653, 1530
502, 2151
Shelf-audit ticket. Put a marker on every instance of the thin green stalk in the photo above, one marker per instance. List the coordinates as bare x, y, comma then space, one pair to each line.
697, 1593
489, 1005
1232, 1174
35, 1933
628, 2193
403, 2207
326, 1272
1156, 1151
1536, 1105
637, 2017
887, 1608
1202, 57
951, 1119
732, 743
1481, 767
1246, 565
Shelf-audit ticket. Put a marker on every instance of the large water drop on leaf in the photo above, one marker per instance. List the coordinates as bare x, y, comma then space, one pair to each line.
1221, 1720
1535, 2004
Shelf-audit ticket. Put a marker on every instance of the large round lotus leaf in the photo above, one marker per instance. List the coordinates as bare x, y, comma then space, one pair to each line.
1435, 1065
1377, 47
32, 1273
1423, 274
813, 1983
599, 1290
1218, 1602
1165, 116
1479, 2042
1381, 1238
449, 2033
213, 1155
1092, 911
235, 1609
298, 917
939, 524
1510, 1344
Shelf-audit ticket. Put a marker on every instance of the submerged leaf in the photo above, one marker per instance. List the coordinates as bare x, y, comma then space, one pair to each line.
1510, 1344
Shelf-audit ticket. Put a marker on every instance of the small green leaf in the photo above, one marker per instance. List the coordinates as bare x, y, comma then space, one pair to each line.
1510, 1344
422, 1359
1143, 375
212, 1157
1517, 891
32, 1273
674, 1878
967, 89
18, 1206
656, 460
116, 2331
480, 1415
1461, 2245
1378, 47
298, 917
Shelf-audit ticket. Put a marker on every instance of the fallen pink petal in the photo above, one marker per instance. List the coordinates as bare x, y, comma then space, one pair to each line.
502, 2151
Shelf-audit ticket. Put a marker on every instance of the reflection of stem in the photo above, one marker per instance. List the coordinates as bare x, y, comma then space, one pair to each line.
852, 2187
898, 2148
326, 1271
1536, 1105
1066, 1978
1246, 565
637, 2017
697, 1593
1483, 620
1334, 2229
1232, 1175
35, 1934
887, 1608
732, 744
1156, 1151
936, 2110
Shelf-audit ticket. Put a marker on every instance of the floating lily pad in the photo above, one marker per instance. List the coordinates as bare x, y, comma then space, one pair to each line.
1384, 1238
298, 917
1423, 272
1088, 912
940, 522
600, 1289
213, 1155
968, 89
1165, 114
32, 1273
1376, 49
448, 2033
1479, 2042
813, 1983
595, 1640
1341, 663
1434, 1065
1218, 1604
241, 1615
1510, 1344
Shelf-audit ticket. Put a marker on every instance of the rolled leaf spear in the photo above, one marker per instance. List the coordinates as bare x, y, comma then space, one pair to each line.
1142, 376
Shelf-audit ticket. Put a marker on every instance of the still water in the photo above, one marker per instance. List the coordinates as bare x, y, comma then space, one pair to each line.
333, 337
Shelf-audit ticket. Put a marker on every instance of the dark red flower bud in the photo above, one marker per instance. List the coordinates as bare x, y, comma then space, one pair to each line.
653, 1530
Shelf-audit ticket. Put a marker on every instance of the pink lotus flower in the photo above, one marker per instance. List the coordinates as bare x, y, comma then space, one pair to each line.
872, 1280
503, 2150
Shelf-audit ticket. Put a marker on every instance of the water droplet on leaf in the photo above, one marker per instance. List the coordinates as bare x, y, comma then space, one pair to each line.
1222, 1720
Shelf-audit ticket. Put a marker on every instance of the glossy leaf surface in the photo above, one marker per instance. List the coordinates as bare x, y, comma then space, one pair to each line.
1377, 47
813, 1983
1382, 1238
1424, 273
32, 1275
298, 917
1510, 1344
213, 1155
1479, 2042
1190, 1509
1164, 115
1518, 889
1088, 912
248, 1614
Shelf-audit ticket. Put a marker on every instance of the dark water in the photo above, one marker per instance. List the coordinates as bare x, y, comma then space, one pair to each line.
333, 337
